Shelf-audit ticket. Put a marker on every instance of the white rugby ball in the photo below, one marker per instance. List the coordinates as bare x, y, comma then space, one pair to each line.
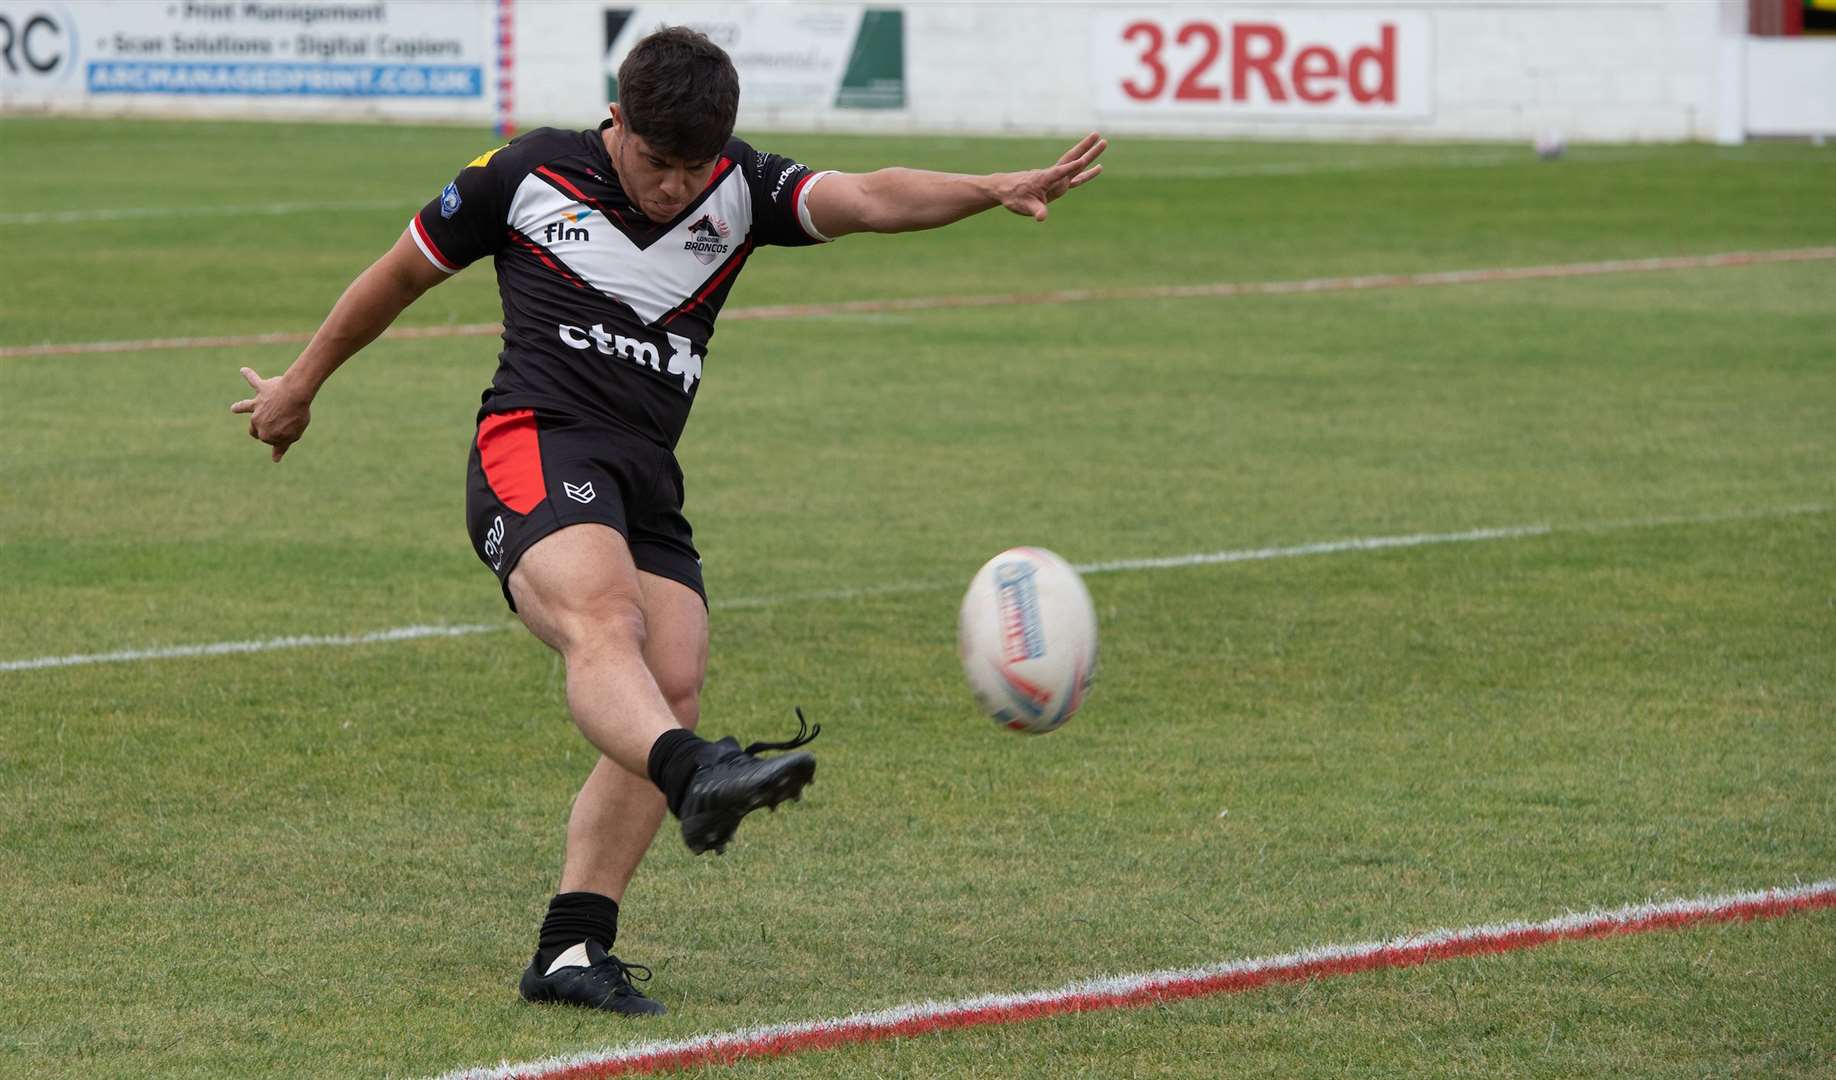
1027, 635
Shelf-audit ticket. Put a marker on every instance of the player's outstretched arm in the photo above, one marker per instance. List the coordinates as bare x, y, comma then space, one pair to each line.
282, 405
902, 200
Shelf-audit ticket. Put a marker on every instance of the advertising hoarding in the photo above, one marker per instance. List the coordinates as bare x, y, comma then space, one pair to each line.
282, 53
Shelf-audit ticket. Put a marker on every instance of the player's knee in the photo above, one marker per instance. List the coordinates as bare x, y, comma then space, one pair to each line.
606, 624
684, 699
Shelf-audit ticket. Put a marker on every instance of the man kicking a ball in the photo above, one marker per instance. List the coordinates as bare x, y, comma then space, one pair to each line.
615, 249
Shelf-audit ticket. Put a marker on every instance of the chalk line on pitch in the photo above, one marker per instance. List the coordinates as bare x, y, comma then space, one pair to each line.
1164, 562
1157, 987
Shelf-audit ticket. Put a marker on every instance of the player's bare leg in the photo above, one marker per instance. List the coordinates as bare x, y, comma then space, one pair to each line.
577, 590
580, 592
617, 814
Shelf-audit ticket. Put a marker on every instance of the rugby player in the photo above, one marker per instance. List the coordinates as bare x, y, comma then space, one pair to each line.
615, 249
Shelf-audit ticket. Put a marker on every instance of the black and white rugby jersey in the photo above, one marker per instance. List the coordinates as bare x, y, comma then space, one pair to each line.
606, 313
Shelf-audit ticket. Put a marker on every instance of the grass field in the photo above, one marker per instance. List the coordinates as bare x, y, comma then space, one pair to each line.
331, 861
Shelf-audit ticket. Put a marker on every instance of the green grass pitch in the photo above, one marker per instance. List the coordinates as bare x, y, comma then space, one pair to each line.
331, 861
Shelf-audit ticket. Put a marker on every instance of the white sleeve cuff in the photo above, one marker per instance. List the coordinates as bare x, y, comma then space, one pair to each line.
803, 205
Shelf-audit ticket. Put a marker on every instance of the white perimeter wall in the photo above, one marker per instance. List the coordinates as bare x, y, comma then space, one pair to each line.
1449, 69
1790, 86
1508, 69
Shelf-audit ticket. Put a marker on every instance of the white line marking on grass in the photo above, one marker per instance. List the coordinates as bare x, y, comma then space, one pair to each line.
1213, 291
140, 213
1158, 987
1161, 562
1325, 547
222, 648
740, 603
237, 341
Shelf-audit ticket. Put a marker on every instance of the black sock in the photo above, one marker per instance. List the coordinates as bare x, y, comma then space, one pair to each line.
572, 918
673, 758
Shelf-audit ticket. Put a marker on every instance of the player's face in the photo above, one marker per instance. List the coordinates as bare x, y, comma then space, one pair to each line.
659, 184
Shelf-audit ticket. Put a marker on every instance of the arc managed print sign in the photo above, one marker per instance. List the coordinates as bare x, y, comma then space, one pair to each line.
303, 49
1191, 62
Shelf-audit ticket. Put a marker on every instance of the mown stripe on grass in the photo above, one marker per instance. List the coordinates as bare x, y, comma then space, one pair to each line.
1214, 290
1325, 166
1160, 562
1131, 991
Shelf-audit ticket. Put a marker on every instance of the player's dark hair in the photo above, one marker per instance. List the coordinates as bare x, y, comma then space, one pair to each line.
680, 93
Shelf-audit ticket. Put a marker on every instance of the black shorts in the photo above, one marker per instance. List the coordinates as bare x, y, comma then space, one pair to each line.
533, 472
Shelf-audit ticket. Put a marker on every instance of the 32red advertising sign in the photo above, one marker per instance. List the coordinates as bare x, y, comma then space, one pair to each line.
1201, 60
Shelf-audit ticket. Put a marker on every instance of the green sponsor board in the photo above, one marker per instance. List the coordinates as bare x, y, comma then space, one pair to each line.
810, 56
875, 78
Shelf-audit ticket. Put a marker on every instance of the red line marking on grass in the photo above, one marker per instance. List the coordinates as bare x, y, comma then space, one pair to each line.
1132, 991
1218, 290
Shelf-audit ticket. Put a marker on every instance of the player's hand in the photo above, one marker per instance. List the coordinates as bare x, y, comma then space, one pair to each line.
1027, 193
277, 414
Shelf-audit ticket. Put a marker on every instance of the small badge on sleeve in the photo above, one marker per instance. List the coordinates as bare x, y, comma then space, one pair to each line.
449, 201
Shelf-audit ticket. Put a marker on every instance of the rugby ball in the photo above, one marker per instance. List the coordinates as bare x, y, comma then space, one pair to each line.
1027, 636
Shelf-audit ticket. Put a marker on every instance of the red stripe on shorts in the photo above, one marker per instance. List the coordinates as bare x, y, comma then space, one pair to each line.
512, 459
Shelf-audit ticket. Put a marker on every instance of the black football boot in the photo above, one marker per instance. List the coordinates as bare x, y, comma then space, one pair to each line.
730, 783
588, 976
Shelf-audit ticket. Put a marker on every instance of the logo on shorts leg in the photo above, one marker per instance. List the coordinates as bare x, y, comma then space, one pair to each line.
494, 543
580, 493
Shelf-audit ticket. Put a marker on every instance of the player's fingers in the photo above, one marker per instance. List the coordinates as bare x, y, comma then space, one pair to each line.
245, 405
1077, 164
279, 450
1095, 151
254, 379
1087, 175
1077, 151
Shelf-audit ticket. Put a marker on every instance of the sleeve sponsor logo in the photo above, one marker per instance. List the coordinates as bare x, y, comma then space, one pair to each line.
449, 201
777, 190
